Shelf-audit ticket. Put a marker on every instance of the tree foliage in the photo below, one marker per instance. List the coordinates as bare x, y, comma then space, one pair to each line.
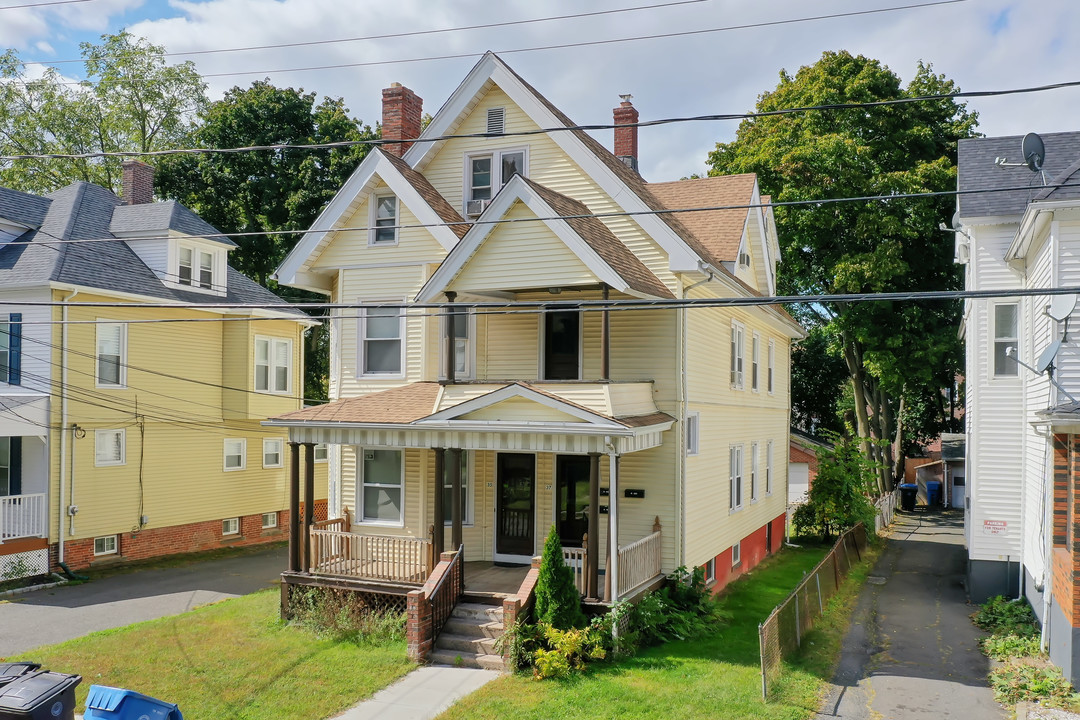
558, 602
838, 497
891, 351
130, 100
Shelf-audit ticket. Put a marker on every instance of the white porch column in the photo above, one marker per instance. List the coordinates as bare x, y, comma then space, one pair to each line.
613, 523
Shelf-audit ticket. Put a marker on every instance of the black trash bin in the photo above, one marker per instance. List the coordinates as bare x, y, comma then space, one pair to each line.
40, 695
10, 672
908, 493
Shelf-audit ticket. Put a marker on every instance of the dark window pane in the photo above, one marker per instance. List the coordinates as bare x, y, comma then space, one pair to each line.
562, 343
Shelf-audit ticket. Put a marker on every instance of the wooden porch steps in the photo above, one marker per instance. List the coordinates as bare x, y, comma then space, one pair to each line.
468, 638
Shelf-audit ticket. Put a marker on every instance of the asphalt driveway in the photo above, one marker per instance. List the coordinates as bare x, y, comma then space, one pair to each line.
912, 650
50, 616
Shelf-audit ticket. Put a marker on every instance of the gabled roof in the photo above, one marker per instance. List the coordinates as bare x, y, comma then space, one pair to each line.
401, 405
23, 208
720, 231
588, 238
437, 202
160, 217
976, 170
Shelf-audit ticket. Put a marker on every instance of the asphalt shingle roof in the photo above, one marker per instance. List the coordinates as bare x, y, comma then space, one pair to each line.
977, 171
719, 230
23, 208
161, 217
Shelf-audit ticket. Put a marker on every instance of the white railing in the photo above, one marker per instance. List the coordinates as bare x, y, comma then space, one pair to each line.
575, 560
886, 506
371, 557
639, 562
23, 516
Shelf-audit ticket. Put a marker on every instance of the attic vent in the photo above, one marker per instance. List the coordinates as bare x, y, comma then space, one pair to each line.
496, 120
744, 259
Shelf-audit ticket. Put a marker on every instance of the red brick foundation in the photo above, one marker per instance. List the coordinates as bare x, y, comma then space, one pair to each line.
754, 548
179, 539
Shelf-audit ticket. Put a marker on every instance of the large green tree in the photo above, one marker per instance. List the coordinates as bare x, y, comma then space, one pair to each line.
129, 100
268, 190
893, 352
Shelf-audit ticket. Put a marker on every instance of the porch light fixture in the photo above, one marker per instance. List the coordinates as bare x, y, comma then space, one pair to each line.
555, 290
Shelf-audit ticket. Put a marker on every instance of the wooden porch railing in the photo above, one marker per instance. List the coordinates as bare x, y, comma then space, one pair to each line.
371, 557
23, 516
639, 562
575, 560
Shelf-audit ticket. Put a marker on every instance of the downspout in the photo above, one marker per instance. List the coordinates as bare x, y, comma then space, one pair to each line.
63, 424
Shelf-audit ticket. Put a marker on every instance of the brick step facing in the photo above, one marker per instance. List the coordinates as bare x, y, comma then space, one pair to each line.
468, 637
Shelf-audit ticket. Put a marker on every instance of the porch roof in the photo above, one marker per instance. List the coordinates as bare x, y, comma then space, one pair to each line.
24, 415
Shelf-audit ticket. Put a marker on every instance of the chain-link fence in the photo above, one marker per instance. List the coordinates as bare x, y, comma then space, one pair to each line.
782, 632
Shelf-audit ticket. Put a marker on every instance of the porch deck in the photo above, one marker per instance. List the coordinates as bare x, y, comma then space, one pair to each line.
487, 577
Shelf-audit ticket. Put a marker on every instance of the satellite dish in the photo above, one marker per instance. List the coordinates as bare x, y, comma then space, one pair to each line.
1034, 151
956, 220
1047, 358
1061, 307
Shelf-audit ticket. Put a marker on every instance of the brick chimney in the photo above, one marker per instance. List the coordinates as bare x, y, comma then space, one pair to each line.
626, 137
138, 182
401, 112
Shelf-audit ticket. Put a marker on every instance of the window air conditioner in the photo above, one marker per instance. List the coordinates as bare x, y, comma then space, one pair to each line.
473, 208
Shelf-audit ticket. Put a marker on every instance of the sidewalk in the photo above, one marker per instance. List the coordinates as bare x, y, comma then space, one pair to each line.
422, 694
912, 651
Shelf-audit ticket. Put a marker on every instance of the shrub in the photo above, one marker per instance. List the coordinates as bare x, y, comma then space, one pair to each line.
1030, 679
552, 652
344, 616
684, 608
1011, 645
1000, 615
558, 602
838, 498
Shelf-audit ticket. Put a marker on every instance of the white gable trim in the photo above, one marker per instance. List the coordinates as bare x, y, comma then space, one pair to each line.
375, 164
518, 189
518, 391
681, 258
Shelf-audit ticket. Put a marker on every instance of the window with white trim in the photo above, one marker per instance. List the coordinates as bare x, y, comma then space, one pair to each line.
230, 526
736, 554
768, 468
111, 359
735, 469
195, 267
321, 452
382, 486
755, 361
710, 571
466, 492
273, 364
382, 347
1006, 335
273, 452
384, 220
772, 366
269, 520
738, 343
753, 471
464, 324
693, 433
109, 447
105, 545
11, 349
235, 454
486, 173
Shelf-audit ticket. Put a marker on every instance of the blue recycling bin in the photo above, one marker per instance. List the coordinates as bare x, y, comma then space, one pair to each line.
933, 492
117, 704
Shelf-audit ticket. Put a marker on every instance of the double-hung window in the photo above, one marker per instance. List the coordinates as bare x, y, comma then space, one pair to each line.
693, 433
735, 463
272, 452
736, 554
384, 230
235, 454
772, 366
111, 354
768, 468
273, 364
196, 267
382, 479
11, 349
1006, 335
738, 342
755, 361
466, 493
463, 332
321, 452
753, 471
486, 173
381, 347
109, 447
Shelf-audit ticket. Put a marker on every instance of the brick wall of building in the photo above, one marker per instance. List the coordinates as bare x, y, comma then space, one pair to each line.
754, 548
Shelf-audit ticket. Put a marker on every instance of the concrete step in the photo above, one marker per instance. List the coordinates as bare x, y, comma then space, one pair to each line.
473, 627
471, 643
476, 611
484, 598
467, 659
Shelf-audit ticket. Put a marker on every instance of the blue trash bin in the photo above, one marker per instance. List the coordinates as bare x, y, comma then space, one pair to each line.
933, 492
117, 704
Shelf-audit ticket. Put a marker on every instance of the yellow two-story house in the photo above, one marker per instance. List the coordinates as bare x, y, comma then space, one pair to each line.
525, 336
135, 368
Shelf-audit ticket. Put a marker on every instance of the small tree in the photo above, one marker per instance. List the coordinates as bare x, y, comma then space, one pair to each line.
558, 602
838, 498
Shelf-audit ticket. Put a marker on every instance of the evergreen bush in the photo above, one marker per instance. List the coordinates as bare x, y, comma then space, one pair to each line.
558, 602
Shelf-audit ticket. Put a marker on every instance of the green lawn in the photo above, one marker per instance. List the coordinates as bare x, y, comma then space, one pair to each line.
233, 659
714, 676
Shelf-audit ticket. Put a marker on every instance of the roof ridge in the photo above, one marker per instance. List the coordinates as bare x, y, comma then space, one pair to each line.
62, 251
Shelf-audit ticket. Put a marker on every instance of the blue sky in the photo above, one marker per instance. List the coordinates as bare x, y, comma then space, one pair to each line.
982, 44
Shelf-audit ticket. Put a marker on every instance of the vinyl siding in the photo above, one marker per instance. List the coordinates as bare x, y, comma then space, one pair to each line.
155, 254
38, 367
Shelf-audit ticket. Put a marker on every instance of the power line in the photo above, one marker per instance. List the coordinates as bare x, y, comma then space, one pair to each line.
386, 36
42, 4
580, 216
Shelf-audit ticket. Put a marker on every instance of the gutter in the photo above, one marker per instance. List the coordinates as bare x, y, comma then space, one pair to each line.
63, 424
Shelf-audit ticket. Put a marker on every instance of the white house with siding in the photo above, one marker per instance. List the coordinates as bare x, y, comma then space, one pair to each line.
1021, 430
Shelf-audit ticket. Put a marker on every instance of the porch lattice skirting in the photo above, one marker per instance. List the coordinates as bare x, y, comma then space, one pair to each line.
24, 565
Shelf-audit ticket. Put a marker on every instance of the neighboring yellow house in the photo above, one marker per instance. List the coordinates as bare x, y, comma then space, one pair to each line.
555, 413
135, 385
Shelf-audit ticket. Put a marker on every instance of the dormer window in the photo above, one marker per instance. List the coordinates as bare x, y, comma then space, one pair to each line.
486, 173
384, 224
196, 268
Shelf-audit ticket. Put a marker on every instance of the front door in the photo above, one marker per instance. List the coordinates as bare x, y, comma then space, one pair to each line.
572, 498
515, 507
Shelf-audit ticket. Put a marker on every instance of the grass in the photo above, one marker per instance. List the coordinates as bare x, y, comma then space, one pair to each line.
233, 659
714, 676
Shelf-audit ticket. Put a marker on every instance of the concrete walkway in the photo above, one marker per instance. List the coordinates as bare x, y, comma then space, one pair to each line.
912, 651
422, 694
62, 613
